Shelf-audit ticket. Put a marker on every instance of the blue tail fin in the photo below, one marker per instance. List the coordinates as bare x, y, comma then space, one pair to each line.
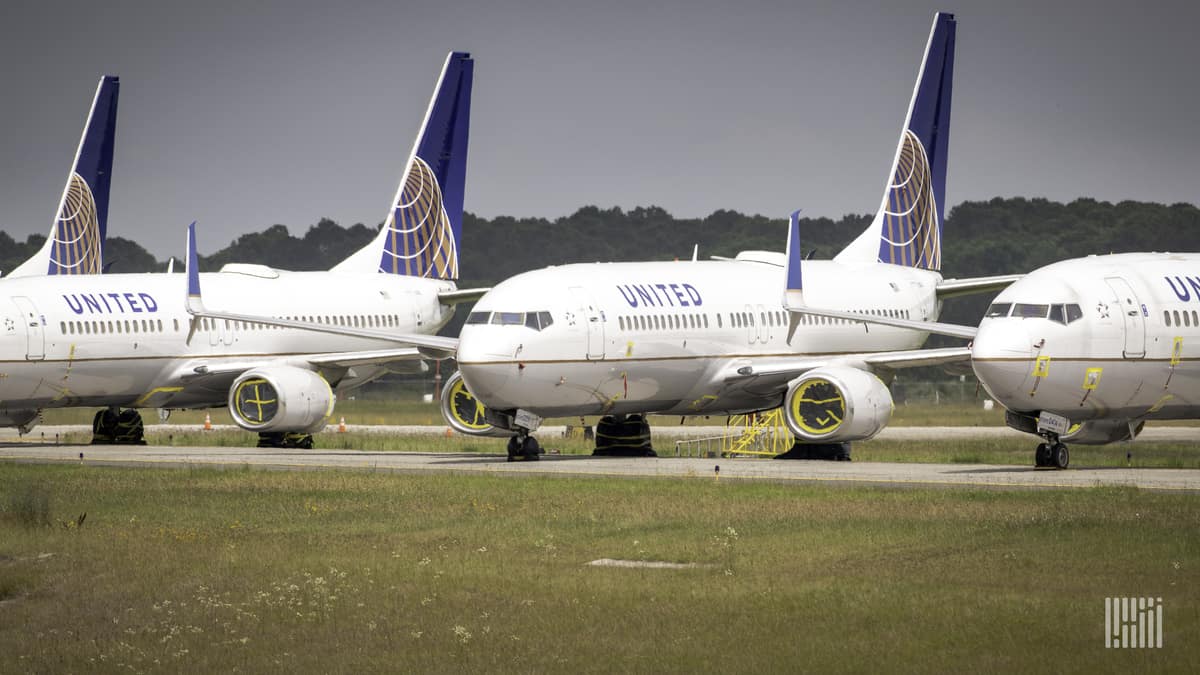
907, 229
424, 226
76, 241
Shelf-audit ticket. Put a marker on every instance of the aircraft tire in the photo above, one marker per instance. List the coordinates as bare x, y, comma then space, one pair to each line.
1041, 457
530, 449
103, 427
1062, 457
128, 428
514, 448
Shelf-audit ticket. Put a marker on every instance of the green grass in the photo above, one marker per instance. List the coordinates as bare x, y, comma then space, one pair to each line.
204, 570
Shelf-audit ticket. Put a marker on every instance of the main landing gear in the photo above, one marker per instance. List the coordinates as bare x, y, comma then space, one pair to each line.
523, 446
623, 436
113, 426
1052, 453
285, 439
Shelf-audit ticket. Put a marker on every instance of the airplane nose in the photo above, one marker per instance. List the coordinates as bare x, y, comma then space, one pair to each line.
486, 363
1002, 356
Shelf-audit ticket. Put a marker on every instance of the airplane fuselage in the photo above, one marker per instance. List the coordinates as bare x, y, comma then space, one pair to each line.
1131, 349
663, 336
127, 340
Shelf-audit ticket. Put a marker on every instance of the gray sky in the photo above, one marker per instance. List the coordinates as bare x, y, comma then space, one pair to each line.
245, 114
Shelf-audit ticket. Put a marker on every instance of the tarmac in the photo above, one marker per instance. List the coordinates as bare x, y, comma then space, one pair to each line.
34, 449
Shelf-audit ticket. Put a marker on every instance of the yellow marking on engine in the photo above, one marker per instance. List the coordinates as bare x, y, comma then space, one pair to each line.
629, 348
1176, 351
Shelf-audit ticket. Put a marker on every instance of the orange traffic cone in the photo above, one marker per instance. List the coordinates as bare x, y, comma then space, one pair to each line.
207, 422
342, 425
448, 434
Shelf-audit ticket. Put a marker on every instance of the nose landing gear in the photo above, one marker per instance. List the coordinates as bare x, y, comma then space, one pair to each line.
1052, 453
523, 446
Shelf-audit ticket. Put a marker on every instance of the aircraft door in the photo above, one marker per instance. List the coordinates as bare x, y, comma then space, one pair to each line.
35, 349
593, 321
1133, 316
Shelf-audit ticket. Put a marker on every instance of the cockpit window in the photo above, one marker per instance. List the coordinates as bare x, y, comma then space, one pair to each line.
1023, 311
478, 317
1074, 313
1056, 314
508, 318
538, 320
998, 309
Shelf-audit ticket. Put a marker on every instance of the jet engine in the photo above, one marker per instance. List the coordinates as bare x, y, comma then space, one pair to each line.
281, 398
466, 415
1099, 432
837, 404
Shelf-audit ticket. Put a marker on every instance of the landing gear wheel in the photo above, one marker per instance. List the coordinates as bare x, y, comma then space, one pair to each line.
530, 449
129, 428
1061, 456
1042, 456
104, 425
514, 448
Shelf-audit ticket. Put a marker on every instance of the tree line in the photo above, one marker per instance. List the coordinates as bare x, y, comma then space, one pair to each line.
999, 236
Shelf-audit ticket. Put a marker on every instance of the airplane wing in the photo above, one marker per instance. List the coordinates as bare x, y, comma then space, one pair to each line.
948, 329
767, 375
953, 288
429, 346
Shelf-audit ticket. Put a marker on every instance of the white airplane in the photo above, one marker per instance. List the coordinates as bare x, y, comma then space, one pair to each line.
75, 244
715, 337
1087, 350
133, 341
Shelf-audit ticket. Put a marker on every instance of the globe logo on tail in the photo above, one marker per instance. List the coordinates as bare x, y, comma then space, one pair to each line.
76, 242
911, 232
420, 239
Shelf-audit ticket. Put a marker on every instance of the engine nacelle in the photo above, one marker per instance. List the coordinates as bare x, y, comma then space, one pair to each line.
281, 398
1100, 432
837, 404
466, 415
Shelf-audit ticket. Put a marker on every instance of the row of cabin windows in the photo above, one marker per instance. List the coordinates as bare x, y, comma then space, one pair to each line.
1172, 318
347, 321
136, 326
117, 327
739, 320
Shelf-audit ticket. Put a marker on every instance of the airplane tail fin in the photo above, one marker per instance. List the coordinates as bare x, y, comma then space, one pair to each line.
76, 241
421, 234
907, 229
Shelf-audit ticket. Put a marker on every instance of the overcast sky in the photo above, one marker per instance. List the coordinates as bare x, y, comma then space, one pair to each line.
244, 114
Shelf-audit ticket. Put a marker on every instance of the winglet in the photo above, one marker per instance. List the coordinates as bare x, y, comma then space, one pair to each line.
194, 303
793, 294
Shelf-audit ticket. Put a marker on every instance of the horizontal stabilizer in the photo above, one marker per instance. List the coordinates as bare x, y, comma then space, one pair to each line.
953, 288
462, 295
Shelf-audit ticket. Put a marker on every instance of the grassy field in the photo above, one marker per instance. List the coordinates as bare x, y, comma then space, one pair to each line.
204, 570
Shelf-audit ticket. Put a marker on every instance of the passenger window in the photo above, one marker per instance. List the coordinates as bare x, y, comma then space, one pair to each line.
1194, 322
1186, 322
1167, 317
1177, 317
